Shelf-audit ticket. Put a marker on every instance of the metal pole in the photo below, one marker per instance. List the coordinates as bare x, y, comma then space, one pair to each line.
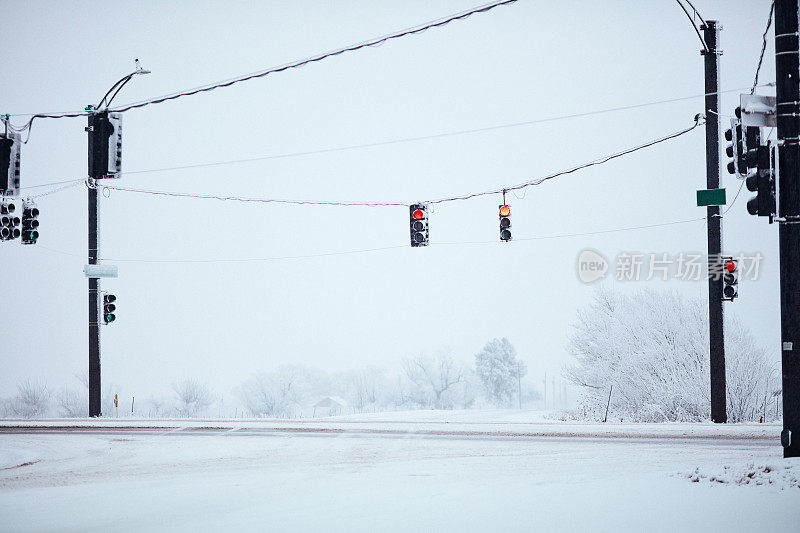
94, 293
787, 70
714, 223
519, 380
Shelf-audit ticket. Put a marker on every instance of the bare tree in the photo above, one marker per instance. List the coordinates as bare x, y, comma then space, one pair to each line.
193, 397
365, 388
284, 391
71, 404
31, 401
157, 407
432, 378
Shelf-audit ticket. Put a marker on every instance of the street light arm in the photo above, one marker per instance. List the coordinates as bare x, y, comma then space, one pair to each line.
694, 26
120, 84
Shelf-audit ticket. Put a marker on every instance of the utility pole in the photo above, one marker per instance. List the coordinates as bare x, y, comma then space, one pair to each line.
94, 284
787, 70
714, 224
104, 162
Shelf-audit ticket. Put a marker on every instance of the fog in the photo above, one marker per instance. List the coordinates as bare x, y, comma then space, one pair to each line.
220, 291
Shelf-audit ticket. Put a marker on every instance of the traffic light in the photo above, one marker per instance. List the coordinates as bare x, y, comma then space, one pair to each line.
505, 223
105, 145
735, 150
8, 221
419, 224
762, 183
752, 140
109, 307
730, 278
30, 223
9, 163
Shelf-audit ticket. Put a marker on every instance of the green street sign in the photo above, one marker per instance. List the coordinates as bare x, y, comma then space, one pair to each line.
708, 197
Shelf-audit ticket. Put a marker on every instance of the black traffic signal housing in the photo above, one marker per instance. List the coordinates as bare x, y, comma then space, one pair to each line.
30, 223
505, 223
730, 278
418, 215
735, 150
752, 140
763, 204
105, 145
10, 146
109, 307
9, 221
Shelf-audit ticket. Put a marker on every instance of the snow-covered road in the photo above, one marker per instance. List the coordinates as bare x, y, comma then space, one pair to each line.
404, 472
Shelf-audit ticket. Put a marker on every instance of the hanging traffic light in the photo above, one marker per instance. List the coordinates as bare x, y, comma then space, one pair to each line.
730, 278
419, 224
109, 307
105, 145
8, 221
762, 183
10, 145
30, 223
505, 223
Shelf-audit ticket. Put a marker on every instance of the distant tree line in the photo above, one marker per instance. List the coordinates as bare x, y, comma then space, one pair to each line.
436, 381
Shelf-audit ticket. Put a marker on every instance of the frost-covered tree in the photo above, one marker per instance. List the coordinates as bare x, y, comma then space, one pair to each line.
157, 407
72, 404
193, 397
652, 347
366, 388
32, 400
284, 391
432, 381
499, 371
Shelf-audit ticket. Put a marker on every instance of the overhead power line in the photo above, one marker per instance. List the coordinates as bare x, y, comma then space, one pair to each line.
405, 139
694, 26
74, 180
313, 59
260, 74
536, 181
426, 137
595, 162
763, 46
56, 190
696, 12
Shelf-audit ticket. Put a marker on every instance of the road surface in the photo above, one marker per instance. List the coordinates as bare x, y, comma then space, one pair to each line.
392, 474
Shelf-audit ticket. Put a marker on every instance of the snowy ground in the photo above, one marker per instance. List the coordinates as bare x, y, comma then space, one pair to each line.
471, 470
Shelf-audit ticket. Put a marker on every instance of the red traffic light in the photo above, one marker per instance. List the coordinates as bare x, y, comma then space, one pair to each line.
418, 214
730, 266
505, 210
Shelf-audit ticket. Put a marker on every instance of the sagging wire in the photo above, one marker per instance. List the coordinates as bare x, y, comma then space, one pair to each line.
300, 63
698, 120
694, 26
370, 43
763, 46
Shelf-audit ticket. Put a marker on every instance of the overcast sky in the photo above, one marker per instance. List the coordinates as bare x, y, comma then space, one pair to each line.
222, 321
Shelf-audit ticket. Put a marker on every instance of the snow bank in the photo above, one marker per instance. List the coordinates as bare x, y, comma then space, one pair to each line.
781, 476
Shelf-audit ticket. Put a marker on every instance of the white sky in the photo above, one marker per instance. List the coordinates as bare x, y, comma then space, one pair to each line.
220, 322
